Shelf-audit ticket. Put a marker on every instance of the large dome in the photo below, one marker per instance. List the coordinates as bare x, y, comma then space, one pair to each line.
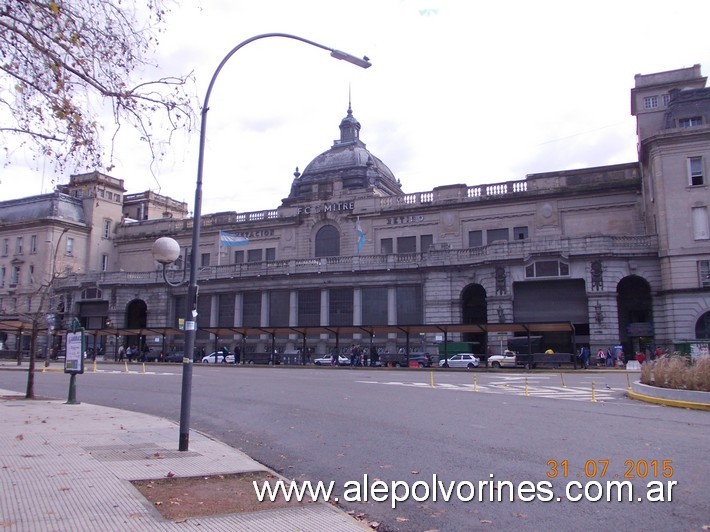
347, 161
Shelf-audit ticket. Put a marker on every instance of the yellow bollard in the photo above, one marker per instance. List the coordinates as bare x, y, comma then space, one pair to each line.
475, 384
126, 364
144, 367
94, 366
594, 399
431, 379
628, 381
526, 387
563, 381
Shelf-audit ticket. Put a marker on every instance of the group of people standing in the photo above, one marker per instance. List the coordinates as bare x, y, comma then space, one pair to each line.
131, 352
609, 358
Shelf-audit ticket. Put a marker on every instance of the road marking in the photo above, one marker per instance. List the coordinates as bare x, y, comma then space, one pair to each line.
571, 393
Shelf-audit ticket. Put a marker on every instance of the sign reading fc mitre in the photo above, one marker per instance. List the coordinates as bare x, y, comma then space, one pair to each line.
228, 239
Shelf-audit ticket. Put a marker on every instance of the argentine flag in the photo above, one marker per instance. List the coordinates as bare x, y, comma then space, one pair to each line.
360, 235
228, 239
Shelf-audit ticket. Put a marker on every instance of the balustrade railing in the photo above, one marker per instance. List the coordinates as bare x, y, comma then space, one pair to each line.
513, 250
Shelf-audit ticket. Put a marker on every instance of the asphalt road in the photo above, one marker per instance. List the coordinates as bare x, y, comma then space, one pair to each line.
339, 424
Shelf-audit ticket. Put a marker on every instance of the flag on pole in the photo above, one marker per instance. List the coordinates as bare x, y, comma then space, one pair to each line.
360, 235
228, 239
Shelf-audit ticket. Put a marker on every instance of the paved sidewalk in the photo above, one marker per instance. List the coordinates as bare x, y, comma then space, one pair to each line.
68, 467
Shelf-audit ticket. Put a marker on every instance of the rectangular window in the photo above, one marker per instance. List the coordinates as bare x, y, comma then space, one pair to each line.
309, 307
425, 242
33, 244
701, 226
270, 254
494, 235
32, 274
5, 247
704, 271
101, 193
15, 276
650, 102
204, 314
407, 244
204, 260
520, 233
547, 268
386, 246
666, 99
107, 228
104, 263
70, 246
690, 122
279, 307
409, 305
340, 307
2, 276
239, 256
475, 239
254, 255
251, 309
18, 245
695, 171
374, 306
225, 308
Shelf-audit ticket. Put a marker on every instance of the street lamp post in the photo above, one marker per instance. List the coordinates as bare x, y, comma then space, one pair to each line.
167, 254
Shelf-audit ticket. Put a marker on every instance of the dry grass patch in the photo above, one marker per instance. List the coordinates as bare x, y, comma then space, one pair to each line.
678, 372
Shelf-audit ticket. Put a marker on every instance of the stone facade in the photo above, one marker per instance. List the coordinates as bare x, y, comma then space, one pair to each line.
619, 251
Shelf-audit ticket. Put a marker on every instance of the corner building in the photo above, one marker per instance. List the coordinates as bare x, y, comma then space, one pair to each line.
622, 252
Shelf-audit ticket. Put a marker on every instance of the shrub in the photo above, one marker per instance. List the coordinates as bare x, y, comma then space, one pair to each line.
677, 372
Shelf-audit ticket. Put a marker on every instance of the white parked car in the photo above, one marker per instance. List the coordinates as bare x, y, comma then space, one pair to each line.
506, 360
220, 358
462, 360
327, 360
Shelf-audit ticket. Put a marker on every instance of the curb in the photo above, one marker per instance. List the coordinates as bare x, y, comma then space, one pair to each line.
657, 397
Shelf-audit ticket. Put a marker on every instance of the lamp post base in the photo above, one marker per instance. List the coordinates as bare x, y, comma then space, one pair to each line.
71, 400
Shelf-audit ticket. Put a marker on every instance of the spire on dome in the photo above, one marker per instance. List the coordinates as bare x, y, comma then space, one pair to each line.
349, 127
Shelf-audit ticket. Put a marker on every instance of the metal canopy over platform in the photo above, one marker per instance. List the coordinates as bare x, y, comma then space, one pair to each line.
15, 325
376, 330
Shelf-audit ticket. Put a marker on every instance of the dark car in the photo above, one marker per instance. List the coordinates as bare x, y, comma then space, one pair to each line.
422, 359
174, 357
399, 360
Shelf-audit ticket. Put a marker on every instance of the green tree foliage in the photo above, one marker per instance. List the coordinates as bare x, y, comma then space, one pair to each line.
64, 62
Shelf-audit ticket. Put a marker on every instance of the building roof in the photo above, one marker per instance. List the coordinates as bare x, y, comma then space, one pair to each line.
349, 163
46, 206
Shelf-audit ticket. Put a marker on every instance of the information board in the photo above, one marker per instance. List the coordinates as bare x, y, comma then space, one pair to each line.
74, 360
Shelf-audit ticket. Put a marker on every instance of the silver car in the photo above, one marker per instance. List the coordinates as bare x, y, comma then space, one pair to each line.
506, 360
327, 360
462, 360
218, 358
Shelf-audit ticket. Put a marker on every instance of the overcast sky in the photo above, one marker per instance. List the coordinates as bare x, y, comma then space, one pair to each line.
459, 91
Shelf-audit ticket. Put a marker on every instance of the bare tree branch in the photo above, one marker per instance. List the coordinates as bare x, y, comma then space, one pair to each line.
57, 57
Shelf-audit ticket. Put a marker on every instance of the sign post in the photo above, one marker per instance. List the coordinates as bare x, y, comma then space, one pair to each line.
74, 359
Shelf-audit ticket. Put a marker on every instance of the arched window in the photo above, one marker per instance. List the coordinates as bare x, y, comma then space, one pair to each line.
702, 327
327, 242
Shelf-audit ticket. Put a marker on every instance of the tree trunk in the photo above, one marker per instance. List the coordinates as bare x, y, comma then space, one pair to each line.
30, 394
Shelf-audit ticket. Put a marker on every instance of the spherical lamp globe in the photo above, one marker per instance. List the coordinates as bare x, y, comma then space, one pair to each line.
165, 250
